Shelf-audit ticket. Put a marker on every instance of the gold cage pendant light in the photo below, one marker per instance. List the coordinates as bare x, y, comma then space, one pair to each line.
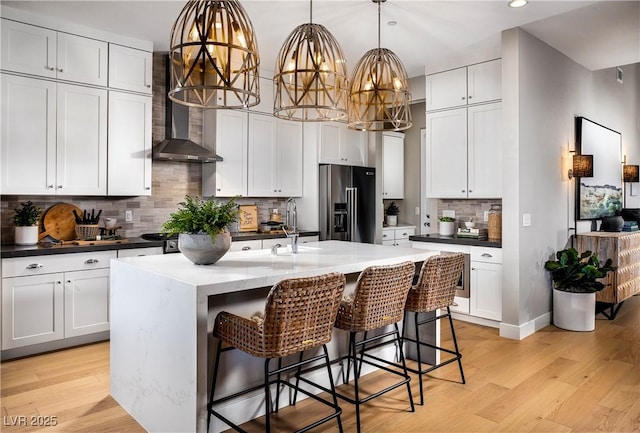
214, 56
311, 80
380, 96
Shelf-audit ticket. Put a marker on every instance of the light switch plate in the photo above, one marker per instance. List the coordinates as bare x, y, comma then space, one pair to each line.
449, 213
486, 216
526, 220
128, 216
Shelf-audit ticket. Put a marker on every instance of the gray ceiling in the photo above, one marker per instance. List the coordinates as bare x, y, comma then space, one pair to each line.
428, 34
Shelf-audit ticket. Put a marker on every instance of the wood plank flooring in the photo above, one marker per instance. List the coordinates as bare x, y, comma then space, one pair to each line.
553, 381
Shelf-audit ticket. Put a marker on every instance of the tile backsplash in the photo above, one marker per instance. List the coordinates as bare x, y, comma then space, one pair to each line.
468, 209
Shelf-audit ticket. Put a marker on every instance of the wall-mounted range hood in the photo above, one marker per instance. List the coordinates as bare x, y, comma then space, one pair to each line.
177, 146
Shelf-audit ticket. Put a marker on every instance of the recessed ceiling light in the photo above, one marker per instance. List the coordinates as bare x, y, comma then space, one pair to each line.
392, 22
517, 3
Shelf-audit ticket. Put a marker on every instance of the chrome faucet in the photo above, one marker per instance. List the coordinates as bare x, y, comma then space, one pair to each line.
291, 224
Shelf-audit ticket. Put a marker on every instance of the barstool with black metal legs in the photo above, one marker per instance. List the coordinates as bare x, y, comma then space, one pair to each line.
299, 315
378, 301
435, 289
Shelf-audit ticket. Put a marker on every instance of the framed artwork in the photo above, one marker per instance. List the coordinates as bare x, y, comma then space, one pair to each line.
601, 195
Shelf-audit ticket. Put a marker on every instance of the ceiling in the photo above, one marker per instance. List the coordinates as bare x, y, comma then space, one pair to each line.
428, 34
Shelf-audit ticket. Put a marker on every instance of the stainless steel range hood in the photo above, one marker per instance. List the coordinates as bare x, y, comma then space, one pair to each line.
177, 146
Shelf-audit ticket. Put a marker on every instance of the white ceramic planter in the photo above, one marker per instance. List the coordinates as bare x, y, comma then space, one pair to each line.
201, 250
392, 220
447, 228
26, 235
574, 311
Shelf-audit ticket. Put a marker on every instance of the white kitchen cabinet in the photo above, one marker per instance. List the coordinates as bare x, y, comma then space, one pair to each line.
230, 178
37, 51
486, 283
266, 97
262, 156
474, 84
341, 145
246, 245
464, 152
392, 165
138, 252
48, 298
130, 69
86, 299
398, 237
54, 138
289, 158
129, 165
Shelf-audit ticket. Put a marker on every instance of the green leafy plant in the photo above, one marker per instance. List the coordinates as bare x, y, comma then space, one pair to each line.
27, 215
197, 216
577, 273
393, 209
447, 219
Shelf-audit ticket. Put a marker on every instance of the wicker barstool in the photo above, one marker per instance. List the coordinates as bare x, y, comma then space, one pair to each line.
435, 289
299, 315
378, 301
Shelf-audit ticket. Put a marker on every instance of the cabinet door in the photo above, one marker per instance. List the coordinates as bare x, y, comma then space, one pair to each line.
392, 166
28, 135
486, 290
266, 97
446, 89
32, 310
485, 151
129, 144
231, 145
130, 69
289, 157
82, 60
446, 154
353, 146
262, 156
330, 137
28, 49
86, 302
81, 145
485, 82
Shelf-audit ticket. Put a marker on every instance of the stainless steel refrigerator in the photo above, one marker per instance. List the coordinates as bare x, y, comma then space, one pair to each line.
347, 203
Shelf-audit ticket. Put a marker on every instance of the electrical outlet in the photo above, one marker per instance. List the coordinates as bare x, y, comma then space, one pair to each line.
449, 213
486, 216
128, 216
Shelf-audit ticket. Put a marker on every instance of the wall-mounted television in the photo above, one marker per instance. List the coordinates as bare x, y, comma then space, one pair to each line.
601, 195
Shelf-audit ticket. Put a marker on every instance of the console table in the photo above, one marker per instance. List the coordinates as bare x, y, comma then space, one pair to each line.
623, 248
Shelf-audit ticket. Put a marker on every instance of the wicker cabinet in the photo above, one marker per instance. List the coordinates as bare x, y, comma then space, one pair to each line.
624, 250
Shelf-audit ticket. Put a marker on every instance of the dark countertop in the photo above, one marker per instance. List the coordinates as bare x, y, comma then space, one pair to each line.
11, 251
454, 240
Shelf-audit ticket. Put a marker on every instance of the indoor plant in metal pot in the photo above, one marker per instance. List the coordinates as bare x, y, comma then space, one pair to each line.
575, 278
202, 226
26, 220
392, 214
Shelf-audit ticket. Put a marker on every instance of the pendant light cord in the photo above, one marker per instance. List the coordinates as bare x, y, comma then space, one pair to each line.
379, 1
310, 11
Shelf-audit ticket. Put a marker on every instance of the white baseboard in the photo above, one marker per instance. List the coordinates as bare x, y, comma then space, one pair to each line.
520, 332
477, 320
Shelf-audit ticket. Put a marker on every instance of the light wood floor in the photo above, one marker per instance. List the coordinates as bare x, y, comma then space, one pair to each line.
553, 381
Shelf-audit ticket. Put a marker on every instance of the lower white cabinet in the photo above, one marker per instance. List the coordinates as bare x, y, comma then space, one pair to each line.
258, 244
48, 298
486, 283
246, 245
398, 237
137, 252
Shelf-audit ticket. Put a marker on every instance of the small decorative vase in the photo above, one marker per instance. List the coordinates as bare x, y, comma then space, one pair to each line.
574, 311
201, 250
447, 228
392, 220
612, 224
26, 235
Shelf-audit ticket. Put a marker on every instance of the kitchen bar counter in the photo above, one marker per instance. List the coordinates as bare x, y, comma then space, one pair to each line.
10, 250
162, 312
436, 238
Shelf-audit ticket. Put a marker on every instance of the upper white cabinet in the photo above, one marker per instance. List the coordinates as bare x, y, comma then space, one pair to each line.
475, 84
464, 152
54, 138
392, 165
341, 145
129, 144
275, 157
266, 97
130, 69
37, 51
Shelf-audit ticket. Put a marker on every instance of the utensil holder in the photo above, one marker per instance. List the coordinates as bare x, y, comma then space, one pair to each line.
86, 231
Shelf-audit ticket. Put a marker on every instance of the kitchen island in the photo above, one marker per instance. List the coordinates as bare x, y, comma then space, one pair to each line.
162, 312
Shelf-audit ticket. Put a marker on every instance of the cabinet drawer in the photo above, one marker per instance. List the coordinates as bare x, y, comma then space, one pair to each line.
282, 242
37, 265
387, 235
307, 239
136, 252
486, 254
246, 245
404, 233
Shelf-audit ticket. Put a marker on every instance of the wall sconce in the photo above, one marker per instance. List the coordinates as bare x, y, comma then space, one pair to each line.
631, 173
582, 166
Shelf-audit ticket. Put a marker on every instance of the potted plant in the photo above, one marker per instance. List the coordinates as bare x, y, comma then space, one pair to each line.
575, 277
392, 214
26, 220
447, 226
203, 230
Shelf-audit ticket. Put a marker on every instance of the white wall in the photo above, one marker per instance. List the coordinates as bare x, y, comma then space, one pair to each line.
543, 91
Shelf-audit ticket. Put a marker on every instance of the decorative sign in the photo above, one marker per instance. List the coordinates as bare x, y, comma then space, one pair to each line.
248, 218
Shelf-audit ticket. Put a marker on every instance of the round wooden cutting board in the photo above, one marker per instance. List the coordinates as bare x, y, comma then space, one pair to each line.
59, 222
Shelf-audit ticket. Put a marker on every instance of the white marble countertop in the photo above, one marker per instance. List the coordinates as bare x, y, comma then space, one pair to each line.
242, 270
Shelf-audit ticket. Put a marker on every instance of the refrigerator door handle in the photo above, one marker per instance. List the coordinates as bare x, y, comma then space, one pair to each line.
352, 200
